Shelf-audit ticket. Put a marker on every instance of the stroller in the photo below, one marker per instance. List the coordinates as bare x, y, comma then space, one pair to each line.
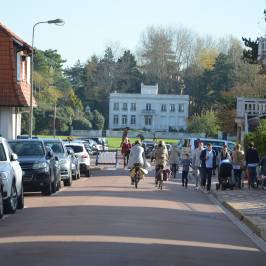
225, 176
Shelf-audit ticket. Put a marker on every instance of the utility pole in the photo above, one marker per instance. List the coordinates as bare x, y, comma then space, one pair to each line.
54, 127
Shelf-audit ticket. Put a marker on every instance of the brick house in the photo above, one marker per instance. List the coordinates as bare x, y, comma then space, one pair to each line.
15, 57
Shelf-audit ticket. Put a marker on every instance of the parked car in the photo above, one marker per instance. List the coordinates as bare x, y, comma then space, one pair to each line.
1, 199
11, 178
89, 146
75, 165
102, 142
84, 158
38, 165
148, 147
60, 151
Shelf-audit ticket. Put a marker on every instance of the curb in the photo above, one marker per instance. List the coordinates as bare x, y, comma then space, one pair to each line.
243, 218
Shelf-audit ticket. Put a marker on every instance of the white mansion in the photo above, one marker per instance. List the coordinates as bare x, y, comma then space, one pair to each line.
148, 110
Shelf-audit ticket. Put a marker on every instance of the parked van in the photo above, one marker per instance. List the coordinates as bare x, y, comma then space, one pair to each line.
214, 142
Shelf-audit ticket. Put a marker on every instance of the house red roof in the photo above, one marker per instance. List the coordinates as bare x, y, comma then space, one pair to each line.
13, 90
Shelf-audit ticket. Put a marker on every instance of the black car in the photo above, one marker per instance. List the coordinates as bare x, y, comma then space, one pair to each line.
38, 164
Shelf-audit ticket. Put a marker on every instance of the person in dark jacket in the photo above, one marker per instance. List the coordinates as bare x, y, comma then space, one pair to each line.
208, 159
252, 160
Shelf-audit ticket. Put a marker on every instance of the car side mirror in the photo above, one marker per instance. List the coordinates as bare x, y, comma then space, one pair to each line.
14, 157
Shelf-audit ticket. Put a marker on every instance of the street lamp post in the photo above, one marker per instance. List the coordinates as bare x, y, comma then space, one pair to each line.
58, 22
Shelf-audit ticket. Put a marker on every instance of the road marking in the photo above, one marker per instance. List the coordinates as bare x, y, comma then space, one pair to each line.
256, 240
122, 239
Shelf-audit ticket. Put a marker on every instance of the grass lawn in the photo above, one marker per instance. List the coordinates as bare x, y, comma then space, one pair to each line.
114, 143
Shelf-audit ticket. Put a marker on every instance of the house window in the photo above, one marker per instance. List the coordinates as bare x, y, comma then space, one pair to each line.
124, 119
163, 107
18, 66
116, 106
28, 60
133, 107
148, 120
133, 120
148, 106
172, 108
181, 108
124, 108
116, 120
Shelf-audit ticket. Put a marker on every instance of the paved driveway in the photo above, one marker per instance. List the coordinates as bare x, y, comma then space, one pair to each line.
103, 220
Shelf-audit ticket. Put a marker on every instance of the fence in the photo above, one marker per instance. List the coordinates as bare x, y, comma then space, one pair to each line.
109, 157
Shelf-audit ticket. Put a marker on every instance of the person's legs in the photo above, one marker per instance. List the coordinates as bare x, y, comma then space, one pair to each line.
124, 158
209, 178
174, 170
252, 175
237, 174
197, 177
204, 177
185, 178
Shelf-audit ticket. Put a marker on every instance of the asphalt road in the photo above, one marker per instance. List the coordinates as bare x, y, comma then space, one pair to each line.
103, 220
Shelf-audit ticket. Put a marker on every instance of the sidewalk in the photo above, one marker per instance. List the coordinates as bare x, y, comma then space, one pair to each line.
248, 205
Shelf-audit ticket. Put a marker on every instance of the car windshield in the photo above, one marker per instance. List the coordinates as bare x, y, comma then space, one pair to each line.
56, 147
27, 148
75, 148
2, 153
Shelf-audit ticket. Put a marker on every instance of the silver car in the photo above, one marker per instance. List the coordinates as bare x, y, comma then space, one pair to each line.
11, 177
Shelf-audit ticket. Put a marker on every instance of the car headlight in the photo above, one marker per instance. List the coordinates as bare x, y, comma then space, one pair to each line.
4, 176
39, 165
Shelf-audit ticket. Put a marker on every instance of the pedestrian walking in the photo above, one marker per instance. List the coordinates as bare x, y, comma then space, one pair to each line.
238, 159
252, 160
196, 164
126, 147
161, 158
174, 159
186, 163
208, 163
224, 154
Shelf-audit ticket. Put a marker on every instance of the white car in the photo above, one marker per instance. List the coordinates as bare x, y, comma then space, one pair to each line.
11, 176
84, 158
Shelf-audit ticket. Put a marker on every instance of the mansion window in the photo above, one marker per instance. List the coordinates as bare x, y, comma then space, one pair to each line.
163, 107
124, 108
133, 120
148, 106
116, 106
133, 107
148, 120
172, 108
124, 119
116, 121
181, 108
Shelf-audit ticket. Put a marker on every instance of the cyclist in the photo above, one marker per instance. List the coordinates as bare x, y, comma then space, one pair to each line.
136, 158
161, 157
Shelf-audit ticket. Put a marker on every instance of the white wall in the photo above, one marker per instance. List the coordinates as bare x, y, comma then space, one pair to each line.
10, 122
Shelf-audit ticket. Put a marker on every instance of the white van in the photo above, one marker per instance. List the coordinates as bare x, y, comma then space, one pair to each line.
214, 142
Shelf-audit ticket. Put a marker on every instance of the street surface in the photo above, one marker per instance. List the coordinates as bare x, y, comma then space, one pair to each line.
103, 220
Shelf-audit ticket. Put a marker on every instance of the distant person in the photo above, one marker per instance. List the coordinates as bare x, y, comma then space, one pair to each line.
126, 147
196, 165
174, 159
252, 160
125, 134
208, 163
161, 157
238, 159
186, 163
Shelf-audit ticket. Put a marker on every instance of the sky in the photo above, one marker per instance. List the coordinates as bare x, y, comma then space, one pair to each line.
92, 25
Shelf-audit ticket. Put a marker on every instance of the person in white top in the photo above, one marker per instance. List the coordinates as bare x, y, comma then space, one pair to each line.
196, 165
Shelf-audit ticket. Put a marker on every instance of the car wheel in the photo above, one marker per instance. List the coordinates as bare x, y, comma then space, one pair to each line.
88, 173
1, 204
21, 198
10, 205
68, 182
48, 189
58, 185
54, 185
